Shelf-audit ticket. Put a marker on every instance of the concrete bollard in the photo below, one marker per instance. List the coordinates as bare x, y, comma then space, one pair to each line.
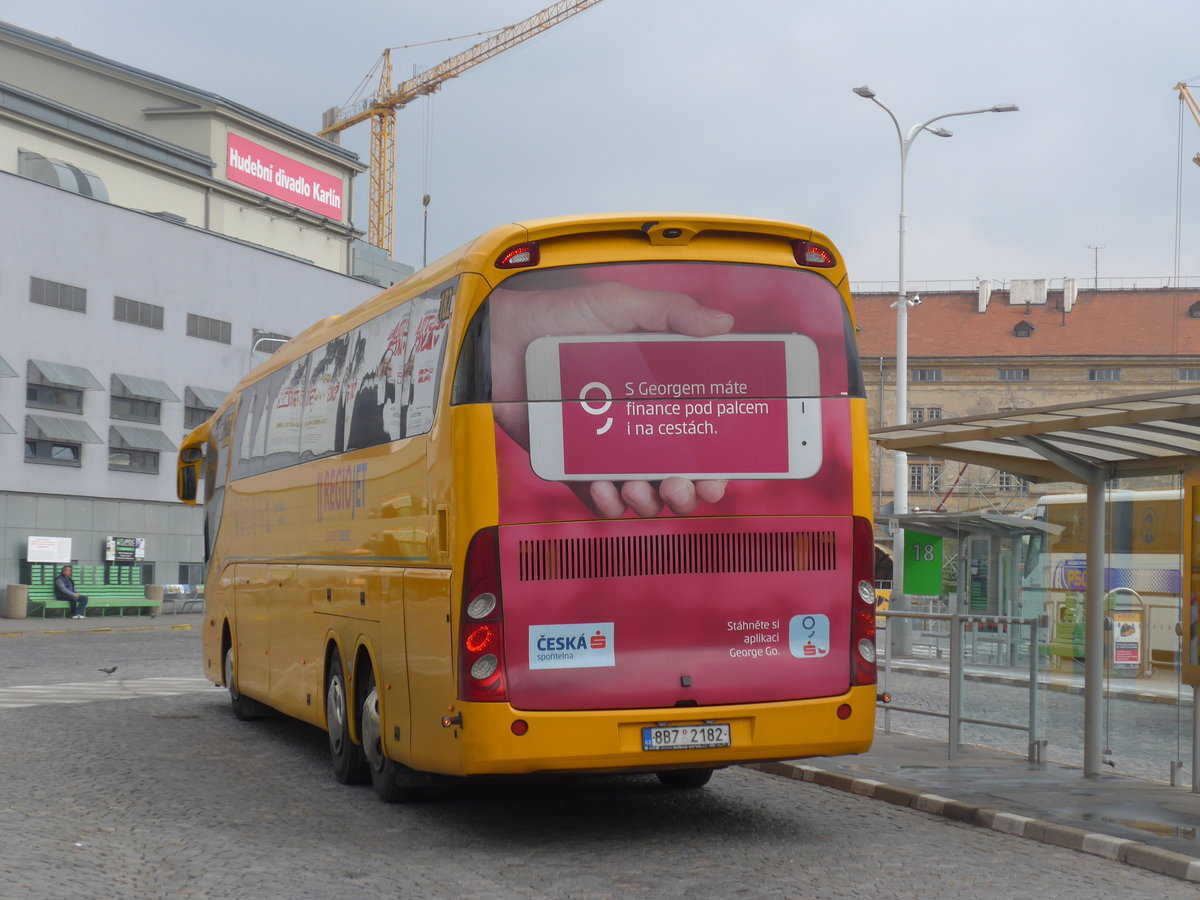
16, 601
155, 592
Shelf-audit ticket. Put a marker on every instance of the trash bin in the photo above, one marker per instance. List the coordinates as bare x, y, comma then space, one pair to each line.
16, 601
155, 592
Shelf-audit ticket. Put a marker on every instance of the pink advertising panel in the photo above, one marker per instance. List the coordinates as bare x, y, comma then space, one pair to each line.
283, 178
675, 468
652, 390
720, 611
657, 406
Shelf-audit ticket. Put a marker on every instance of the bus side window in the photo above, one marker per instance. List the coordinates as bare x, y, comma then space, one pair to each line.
856, 385
473, 373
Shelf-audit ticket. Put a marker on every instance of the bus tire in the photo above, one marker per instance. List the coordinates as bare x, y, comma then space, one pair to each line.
684, 779
243, 707
346, 757
393, 782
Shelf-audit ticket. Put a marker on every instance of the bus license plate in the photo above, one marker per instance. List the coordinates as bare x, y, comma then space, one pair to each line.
685, 737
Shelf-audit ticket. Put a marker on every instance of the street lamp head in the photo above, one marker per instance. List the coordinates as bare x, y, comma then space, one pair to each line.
865, 91
940, 132
1005, 107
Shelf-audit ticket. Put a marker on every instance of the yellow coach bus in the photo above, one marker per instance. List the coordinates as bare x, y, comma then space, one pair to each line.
586, 495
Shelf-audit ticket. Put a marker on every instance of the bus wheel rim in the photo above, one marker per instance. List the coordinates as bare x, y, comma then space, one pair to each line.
229, 672
372, 736
335, 704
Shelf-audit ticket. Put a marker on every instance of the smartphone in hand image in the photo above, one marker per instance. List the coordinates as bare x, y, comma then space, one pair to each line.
653, 406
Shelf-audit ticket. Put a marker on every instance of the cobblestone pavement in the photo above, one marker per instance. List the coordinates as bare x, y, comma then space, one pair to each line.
139, 783
83, 692
136, 794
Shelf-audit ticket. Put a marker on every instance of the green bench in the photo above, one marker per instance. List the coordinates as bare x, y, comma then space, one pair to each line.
114, 589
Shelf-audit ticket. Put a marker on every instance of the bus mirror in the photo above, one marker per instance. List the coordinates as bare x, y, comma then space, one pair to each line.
187, 483
191, 454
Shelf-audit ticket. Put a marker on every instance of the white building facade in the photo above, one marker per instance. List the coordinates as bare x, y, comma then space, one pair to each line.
157, 241
121, 332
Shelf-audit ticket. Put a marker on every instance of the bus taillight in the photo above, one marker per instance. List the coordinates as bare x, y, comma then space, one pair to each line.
519, 256
862, 616
481, 625
809, 254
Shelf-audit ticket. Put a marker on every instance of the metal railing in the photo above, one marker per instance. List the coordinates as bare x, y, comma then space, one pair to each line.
1004, 645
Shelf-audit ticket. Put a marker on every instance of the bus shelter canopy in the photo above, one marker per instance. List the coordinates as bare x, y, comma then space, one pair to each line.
1089, 443
1145, 434
961, 525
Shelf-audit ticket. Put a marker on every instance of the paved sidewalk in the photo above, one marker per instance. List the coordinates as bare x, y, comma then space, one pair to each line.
1136, 821
1143, 823
1160, 687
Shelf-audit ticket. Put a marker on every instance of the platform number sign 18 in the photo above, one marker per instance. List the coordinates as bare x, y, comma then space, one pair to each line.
922, 564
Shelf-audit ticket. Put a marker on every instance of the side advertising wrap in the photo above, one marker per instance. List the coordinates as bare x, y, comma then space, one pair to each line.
374, 384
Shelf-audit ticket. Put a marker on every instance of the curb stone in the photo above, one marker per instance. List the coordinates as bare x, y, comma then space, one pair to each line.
1133, 853
99, 629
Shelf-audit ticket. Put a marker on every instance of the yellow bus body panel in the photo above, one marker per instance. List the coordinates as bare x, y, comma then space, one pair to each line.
604, 740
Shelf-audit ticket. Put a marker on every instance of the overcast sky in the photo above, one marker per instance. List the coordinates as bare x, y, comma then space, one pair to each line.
740, 107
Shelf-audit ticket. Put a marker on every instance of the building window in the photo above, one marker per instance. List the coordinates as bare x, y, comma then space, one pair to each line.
916, 478
144, 461
51, 293
136, 409
1013, 483
926, 374
199, 405
1023, 329
935, 477
191, 573
209, 329
50, 396
53, 453
1194, 310
1104, 374
916, 415
195, 416
933, 413
1013, 374
1189, 374
919, 414
147, 314
137, 399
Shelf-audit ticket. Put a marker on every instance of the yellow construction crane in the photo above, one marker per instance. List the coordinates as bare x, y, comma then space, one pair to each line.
381, 108
1185, 96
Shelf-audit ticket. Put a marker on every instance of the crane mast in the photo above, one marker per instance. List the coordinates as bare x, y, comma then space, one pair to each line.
1185, 97
381, 108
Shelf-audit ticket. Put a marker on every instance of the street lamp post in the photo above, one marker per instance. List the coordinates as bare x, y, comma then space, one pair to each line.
900, 473
254, 348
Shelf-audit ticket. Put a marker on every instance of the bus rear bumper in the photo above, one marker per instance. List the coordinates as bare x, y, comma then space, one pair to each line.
608, 740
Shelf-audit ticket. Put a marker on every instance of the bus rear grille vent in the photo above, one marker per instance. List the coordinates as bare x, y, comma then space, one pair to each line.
676, 554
